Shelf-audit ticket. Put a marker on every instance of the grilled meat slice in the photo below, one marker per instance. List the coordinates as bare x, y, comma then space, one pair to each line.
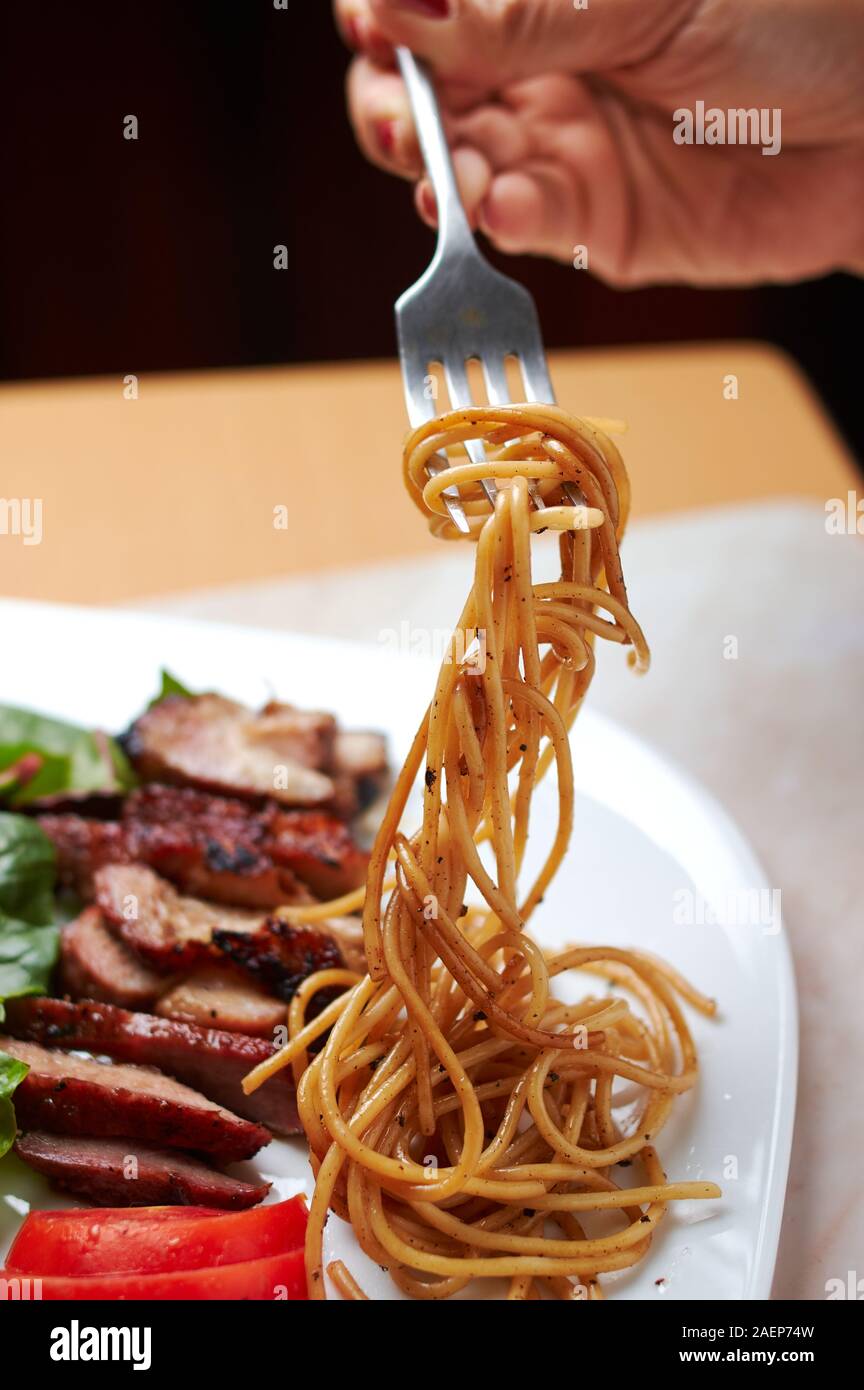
218, 997
295, 757
175, 933
302, 736
210, 1060
360, 757
74, 1095
223, 849
214, 847
95, 965
347, 932
168, 931
83, 847
320, 850
100, 1171
209, 847
210, 742
280, 956
212, 855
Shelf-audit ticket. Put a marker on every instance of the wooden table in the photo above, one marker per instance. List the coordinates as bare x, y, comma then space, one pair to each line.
179, 488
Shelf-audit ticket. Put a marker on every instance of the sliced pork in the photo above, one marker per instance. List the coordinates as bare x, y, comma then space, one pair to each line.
347, 932
280, 956
83, 847
73, 1095
214, 847
218, 997
360, 756
169, 931
126, 1173
296, 757
221, 848
95, 965
209, 846
211, 1060
209, 742
317, 848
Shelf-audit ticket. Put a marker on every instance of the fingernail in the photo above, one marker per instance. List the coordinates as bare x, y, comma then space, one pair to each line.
385, 134
430, 9
352, 31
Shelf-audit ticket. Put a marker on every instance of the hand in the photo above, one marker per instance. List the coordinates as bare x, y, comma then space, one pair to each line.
561, 122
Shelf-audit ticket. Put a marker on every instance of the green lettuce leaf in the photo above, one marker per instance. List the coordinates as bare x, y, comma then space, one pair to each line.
170, 685
40, 756
28, 771
11, 1073
29, 925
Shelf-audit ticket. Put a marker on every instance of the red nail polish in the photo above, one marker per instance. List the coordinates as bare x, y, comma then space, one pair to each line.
385, 134
430, 9
352, 31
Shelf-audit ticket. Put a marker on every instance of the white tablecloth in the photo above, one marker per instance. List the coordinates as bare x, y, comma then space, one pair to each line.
755, 618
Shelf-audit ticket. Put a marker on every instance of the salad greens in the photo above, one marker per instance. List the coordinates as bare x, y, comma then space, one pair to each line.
29, 934
11, 1072
41, 756
169, 686
29, 925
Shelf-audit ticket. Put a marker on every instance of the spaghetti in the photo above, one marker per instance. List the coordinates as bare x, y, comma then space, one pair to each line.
467, 1120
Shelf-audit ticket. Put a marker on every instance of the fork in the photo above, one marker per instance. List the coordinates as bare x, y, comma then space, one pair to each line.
462, 309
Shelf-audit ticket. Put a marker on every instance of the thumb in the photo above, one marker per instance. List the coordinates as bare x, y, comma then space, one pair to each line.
487, 43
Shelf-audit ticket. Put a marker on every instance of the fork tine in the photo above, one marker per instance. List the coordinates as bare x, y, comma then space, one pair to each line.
495, 373
421, 408
538, 386
535, 374
460, 396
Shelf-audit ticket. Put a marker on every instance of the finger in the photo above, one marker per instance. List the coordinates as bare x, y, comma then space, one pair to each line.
379, 112
360, 32
490, 42
570, 192
474, 177
496, 132
535, 209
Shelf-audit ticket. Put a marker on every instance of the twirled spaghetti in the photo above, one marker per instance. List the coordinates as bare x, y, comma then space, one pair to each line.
464, 1119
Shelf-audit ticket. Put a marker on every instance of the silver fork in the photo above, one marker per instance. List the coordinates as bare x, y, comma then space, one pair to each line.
461, 309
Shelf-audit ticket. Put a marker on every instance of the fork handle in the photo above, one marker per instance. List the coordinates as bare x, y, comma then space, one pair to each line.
453, 229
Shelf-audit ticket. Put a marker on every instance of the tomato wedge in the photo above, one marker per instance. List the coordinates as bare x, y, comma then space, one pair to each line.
153, 1240
278, 1277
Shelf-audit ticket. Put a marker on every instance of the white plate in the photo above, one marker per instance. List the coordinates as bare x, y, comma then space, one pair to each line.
649, 846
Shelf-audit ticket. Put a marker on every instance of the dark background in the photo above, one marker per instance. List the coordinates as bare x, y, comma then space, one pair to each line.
128, 256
